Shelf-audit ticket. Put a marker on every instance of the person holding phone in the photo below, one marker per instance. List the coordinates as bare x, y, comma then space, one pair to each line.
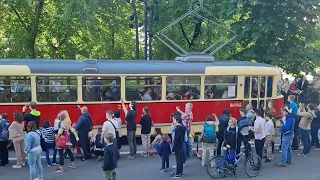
287, 132
131, 116
305, 127
33, 115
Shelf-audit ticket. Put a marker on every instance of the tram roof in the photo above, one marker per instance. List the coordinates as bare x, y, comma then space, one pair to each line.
55, 66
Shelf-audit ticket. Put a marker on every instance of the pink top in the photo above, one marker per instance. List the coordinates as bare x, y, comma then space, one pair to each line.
16, 129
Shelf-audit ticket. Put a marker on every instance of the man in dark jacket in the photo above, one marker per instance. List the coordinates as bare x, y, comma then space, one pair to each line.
223, 124
83, 127
179, 139
33, 115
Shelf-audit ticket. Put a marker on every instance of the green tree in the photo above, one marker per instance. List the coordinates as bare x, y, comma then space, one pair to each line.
280, 32
75, 29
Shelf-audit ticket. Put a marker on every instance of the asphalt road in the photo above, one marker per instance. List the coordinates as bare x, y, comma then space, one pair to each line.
148, 169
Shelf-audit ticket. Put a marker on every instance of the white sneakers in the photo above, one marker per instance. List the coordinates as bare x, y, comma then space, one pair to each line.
17, 166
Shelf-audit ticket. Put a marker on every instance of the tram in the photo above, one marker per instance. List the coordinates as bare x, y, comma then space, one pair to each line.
162, 85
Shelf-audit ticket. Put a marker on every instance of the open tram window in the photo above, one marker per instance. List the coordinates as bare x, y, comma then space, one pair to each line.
183, 87
254, 87
262, 87
143, 88
57, 89
246, 87
15, 89
220, 87
270, 86
101, 88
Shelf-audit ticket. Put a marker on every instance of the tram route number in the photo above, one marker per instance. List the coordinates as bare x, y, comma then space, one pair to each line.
120, 106
236, 105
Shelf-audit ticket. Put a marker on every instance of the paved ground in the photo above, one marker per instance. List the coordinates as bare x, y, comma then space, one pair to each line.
148, 169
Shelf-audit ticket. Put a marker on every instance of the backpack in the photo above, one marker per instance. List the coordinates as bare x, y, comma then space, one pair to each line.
42, 142
98, 141
209, 134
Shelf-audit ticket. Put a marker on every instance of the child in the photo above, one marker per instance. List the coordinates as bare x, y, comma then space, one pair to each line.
97, 145
269, 129
164, 152
111, 157
116, 114
57, 123
231, 141
49, 138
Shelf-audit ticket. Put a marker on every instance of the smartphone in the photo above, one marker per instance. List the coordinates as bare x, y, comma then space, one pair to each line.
76, 107
27, 106
121, 101
171, 115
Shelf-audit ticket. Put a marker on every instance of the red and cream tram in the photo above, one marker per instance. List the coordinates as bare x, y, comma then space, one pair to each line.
211, 86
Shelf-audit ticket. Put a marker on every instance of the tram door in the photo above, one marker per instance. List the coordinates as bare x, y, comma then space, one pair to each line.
257, 91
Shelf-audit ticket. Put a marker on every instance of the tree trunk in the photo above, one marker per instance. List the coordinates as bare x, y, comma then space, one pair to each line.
113, 45
136, 27
150, 32
34, 27
145, 29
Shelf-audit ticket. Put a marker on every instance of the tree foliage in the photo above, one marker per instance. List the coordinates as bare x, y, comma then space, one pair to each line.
281, 32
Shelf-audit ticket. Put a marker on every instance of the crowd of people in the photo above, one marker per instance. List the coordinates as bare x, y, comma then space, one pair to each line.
220, 135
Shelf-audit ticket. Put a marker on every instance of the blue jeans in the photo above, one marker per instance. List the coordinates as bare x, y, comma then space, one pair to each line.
165, 162
314, 135
286, 148
305, 138
186, 146
157, 147
34, 159
54, 158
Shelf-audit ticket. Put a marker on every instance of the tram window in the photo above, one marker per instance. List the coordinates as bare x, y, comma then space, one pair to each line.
246, 87
57, 89
183, 87
220, 87
254, 87
143, 88
270, 86
262, 87
101, 88
15, 89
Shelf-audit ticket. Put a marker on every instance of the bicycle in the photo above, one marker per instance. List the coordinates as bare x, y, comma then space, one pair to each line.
221, 165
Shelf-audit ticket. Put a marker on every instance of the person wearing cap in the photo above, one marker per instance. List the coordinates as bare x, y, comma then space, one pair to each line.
223, 124
131, 116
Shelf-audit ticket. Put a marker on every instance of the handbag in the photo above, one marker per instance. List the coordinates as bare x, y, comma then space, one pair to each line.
115, 129
61, 142
42, 142
117, 136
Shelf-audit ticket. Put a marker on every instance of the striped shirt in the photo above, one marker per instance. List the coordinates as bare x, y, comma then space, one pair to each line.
48, 134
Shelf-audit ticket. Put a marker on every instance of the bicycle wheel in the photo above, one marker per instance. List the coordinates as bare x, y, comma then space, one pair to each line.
253, 165
217, 167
